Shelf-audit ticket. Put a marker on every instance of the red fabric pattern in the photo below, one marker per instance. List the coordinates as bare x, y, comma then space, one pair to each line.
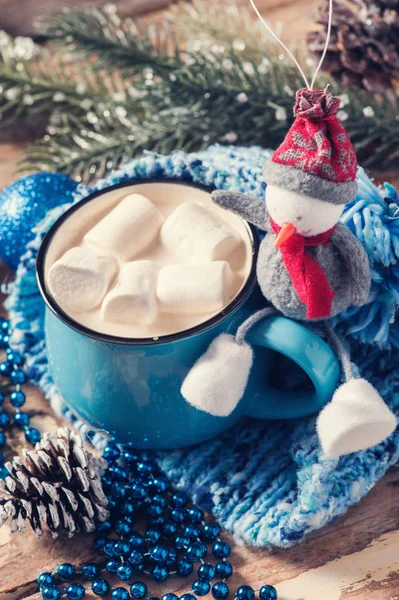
317, 142
307, 276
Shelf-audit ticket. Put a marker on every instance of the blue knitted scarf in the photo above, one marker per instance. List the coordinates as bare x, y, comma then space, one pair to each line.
267, 482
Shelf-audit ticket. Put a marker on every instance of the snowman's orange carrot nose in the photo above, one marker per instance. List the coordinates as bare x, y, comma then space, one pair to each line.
287, 230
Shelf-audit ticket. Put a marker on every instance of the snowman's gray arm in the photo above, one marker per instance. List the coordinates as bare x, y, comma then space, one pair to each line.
356, 261
246, 206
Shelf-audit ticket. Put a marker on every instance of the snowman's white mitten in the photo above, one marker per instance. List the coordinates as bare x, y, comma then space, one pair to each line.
356, 418
216, 382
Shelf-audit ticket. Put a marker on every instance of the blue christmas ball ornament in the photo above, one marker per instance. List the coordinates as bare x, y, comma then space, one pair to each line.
23, 205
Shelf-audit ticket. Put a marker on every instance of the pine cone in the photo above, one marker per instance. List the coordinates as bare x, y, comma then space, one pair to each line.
57, 484
364, 46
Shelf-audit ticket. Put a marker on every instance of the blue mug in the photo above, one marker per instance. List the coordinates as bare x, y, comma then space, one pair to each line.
131, 387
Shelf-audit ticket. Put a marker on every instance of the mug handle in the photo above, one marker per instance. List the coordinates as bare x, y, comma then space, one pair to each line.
307, 350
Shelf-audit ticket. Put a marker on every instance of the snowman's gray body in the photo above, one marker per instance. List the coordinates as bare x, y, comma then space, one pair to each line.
277, 287
343, 259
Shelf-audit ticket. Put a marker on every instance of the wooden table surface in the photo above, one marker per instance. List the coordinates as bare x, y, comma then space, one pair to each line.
355, 558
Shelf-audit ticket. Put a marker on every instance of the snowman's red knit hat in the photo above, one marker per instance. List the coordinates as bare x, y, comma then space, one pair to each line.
317, 157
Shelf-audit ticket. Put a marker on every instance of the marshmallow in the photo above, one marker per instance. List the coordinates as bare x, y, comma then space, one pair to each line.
197, 235
128, 228
191, 289
133, 299
80, 279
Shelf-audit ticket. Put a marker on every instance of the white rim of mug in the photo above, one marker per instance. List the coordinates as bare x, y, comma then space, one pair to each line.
130, 341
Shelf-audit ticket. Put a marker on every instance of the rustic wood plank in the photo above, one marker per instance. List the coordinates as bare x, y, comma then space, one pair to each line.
10, 155
18, 18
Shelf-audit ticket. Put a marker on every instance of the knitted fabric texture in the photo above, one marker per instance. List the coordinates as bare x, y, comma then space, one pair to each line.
307, 276
317, 147
267, 482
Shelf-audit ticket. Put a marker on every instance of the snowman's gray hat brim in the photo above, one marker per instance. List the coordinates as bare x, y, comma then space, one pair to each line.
296, 180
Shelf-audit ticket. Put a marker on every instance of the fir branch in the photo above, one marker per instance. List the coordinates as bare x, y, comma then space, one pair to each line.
87, 155
59, 89
13, 50
143, 92
100, 34
219, 25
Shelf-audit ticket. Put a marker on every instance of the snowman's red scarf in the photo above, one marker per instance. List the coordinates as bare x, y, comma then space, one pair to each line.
307, 276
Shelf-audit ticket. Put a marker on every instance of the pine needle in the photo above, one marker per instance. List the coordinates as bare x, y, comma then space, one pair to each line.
205, 75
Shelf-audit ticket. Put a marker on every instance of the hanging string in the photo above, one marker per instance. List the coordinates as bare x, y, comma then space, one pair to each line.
288, 51
330, 16
275, 36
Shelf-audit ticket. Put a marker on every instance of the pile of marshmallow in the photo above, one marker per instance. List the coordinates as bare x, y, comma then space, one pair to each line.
101, 272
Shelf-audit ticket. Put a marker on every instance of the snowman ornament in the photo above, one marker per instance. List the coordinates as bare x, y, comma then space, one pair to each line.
310, 267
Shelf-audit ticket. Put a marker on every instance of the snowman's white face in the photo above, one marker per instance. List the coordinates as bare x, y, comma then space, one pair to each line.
310, 216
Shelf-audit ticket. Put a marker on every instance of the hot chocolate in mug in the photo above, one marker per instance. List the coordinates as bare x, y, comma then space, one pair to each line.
131, 387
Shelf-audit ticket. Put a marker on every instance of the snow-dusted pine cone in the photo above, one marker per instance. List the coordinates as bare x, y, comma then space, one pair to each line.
364, 45
56, 485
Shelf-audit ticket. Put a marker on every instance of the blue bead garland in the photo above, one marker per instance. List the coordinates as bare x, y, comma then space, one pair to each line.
17, 398
124, 572
245, 592
201, 587
160, 573
100, 587
184, 567
220, 590
206, 571
66, 571
221, 549
112, 565
32, 435
138, 590
224, 569
175, 538
120, 593
12, 377
75, 591
45, 579
51, 592
268, 592
90, 571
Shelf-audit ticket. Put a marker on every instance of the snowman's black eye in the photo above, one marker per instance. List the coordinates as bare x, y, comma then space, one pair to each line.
299, 218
